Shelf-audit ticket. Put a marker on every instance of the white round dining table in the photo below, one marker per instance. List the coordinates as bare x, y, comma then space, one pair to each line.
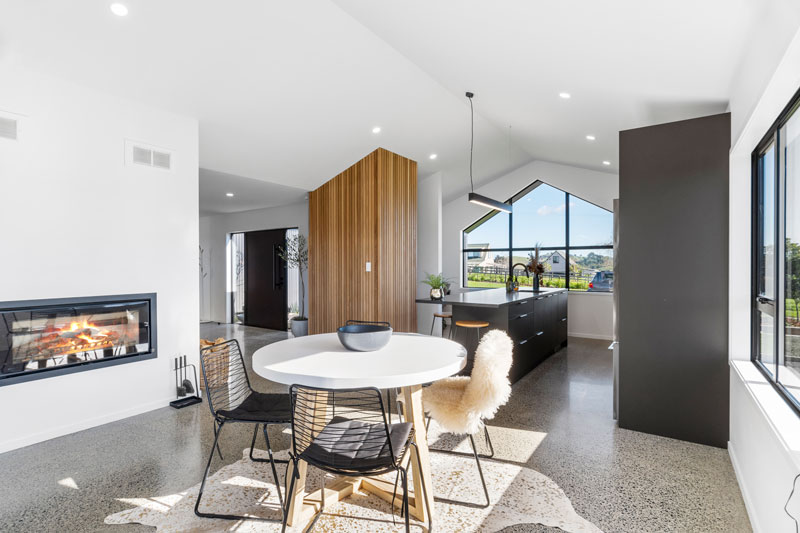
321, 361
406, 362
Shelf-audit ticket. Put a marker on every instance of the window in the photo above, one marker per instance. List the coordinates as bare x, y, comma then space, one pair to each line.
776, 254
575, 239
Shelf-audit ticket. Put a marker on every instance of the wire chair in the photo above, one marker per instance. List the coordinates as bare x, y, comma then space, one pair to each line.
389, 392
231, 398
345, 432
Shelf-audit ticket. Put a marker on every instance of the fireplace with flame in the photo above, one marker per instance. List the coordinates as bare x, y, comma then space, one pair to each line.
43, 338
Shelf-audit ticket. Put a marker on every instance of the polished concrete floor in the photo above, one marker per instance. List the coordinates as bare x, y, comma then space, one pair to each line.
558, 422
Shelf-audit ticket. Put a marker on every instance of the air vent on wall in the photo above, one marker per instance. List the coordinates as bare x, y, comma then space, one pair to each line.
143, 154
161, 159
8, 128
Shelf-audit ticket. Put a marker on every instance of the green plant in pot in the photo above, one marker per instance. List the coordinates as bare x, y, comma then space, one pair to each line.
438, 284
295, 253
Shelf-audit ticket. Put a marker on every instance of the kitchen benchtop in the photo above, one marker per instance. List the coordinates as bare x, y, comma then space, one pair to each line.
489, 297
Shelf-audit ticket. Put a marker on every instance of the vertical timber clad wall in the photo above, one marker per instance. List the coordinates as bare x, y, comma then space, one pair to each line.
366, 213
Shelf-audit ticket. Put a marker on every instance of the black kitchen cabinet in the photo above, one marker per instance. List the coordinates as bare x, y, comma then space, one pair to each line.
536, 322
561, 319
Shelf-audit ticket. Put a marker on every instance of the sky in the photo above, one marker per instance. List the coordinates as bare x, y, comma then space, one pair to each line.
539, 218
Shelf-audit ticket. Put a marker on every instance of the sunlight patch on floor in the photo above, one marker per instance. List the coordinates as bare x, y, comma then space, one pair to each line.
242, 481
161, 504
68, 482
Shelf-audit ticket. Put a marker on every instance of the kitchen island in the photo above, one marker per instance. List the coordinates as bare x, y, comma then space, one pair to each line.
535, 321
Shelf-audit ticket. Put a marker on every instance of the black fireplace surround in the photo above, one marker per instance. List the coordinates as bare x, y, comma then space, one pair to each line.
45, 338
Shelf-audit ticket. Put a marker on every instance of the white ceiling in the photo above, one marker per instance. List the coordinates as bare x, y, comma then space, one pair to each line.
247, 193
289, 92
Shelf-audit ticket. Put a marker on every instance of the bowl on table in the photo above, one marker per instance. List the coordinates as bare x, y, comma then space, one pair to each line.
364, 337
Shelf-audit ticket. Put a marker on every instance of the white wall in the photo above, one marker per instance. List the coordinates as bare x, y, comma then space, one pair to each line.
772, 32
78, 222
761, 432
589, 315
214, 231
429, 245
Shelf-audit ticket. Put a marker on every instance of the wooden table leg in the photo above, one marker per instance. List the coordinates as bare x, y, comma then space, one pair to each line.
299, 510
416, 415
296, 499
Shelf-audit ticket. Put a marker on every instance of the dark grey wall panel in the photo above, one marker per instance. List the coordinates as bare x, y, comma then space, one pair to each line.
673, 267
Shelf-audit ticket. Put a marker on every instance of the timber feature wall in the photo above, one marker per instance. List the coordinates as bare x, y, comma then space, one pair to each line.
366, 214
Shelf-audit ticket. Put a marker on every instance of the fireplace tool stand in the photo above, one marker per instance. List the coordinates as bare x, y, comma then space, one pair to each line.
185, 389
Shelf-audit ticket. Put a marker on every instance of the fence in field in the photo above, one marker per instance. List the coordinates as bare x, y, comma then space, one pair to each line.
498, 274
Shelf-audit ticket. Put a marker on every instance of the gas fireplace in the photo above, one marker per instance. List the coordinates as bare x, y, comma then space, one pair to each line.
43, 338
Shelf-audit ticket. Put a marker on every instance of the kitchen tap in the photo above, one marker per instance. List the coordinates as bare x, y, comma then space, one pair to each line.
514, 284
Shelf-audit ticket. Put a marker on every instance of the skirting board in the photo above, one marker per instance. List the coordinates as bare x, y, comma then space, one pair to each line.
748, 503
591, 336
60, 431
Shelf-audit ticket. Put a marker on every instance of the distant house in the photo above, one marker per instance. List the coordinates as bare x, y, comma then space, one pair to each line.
477, 257
556, 262
483, 258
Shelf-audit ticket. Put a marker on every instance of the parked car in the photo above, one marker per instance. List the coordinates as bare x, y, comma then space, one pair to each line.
603, 281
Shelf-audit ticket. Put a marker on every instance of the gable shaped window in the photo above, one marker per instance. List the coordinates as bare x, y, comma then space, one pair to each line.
575, 240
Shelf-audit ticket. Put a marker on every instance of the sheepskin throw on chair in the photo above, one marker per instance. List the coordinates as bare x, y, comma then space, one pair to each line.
461, 403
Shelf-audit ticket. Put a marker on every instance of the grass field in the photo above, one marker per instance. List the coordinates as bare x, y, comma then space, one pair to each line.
576, 285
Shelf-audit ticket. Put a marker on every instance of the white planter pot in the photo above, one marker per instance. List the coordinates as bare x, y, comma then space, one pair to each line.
299, 327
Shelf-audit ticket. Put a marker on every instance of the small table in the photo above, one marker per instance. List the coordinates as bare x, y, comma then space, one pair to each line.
408, 361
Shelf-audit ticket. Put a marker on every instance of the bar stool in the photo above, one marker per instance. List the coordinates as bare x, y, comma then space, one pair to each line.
468, 325
442, 316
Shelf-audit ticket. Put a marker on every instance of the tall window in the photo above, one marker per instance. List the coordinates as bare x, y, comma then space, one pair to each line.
776, 254
575, 239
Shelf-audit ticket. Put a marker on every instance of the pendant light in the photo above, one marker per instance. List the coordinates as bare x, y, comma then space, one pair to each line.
474, 197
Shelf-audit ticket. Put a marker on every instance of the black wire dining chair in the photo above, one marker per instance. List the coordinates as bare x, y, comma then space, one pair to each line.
231, 398
345, 432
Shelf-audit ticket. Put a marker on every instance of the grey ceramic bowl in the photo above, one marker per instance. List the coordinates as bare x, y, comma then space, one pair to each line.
364, 337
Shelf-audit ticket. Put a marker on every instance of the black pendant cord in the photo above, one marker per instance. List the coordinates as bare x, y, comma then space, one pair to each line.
471, 139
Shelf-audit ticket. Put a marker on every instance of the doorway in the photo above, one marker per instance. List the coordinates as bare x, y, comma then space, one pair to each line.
260, 284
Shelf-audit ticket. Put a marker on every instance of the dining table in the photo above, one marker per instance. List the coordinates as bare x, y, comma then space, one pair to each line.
407, 362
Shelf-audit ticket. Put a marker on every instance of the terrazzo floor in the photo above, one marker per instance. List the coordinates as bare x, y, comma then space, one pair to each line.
558, 422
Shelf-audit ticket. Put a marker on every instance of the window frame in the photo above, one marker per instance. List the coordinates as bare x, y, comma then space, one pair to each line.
465, 249
770, 138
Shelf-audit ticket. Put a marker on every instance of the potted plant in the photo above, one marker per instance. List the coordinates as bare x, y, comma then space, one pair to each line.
438, 284
295, 253
535, 267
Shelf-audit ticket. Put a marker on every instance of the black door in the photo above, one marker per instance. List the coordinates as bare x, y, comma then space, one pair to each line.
265, 299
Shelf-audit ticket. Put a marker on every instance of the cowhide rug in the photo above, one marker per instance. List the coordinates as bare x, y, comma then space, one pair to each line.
519, 495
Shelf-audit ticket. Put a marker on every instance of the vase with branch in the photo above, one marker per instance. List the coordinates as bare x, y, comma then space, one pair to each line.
535, 266
295, 253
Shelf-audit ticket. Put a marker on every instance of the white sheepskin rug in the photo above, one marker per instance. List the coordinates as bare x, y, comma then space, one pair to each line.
519, 495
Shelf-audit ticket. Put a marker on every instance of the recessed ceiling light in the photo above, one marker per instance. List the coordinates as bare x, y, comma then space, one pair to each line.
119, 10
590, 137
565, 96
376, 129
606, 163
229, 194
433, 156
